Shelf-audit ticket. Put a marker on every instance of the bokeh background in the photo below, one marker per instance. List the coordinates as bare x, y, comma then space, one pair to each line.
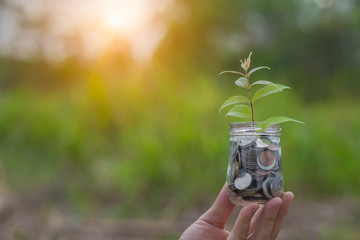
109, 123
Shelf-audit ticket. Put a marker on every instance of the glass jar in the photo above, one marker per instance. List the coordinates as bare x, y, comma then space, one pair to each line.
254, 170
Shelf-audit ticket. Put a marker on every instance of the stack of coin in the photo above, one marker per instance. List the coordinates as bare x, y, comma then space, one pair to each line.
248, 158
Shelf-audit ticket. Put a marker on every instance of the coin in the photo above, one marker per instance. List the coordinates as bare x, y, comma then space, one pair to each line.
262, 172
262, 143
236, 170
276, 187
272, 147
248, 192
247, 141
257, 175
266, 160
248, 158
277, 165
265, 187
243, 181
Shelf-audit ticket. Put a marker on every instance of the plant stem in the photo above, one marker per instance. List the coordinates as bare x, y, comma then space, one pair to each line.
250, 98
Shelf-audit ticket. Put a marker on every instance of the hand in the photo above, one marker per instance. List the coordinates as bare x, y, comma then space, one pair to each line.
252, 223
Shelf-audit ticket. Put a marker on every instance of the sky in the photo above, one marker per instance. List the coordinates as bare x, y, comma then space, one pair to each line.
61, 29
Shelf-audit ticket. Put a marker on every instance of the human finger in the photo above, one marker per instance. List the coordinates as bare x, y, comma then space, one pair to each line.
267, 218
220, 211
241, 227
286, 201
255, 219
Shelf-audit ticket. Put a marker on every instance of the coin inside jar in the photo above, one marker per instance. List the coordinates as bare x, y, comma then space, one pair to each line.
266, 160
243, 181
262, 172
236, 169
248, 157
247, 141
276, 187
265, 187
262, 143
272, 147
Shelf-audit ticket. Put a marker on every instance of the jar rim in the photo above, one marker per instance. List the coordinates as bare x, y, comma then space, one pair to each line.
247, 128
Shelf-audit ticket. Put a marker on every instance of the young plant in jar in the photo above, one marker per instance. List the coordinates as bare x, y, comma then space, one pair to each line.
254, 167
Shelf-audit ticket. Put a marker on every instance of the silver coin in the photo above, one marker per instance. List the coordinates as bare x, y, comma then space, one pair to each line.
243, 181
250, 165
247, 141
257, 175
262, 172
276, 187
262, 143
277, 165
248, 158
265, 187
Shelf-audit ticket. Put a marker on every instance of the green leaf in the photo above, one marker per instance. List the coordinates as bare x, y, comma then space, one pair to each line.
262, 82
267, 90
242, 82
255, 69
240, 73
240, 111
270, 121
234, 100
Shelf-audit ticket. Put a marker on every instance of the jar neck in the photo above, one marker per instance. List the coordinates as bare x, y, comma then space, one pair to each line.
248, 128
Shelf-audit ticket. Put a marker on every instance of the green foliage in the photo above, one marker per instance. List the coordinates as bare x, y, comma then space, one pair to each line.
240, 111
267, 90
234, 100
242, 82
262, 82
270, 121
243, 111
256, 69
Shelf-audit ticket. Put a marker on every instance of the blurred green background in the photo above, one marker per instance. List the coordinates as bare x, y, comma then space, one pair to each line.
126, 129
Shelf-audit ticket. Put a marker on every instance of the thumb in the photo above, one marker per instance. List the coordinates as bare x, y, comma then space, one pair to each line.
220, 211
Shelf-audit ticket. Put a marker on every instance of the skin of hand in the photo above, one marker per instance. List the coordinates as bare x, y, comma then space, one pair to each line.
252, 223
